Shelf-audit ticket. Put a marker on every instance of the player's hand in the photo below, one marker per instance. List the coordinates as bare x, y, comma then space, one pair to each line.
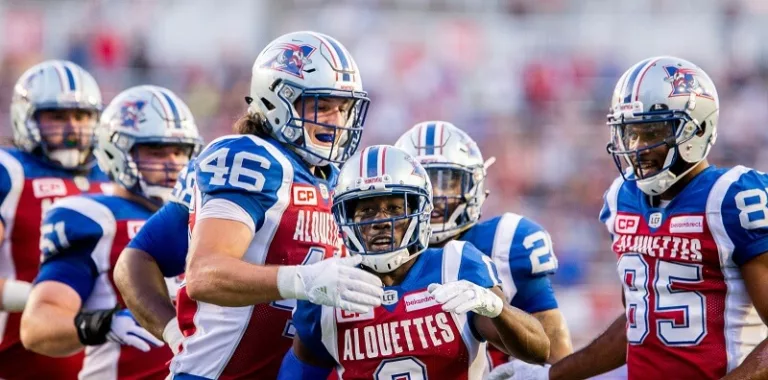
126, 331
332, 282
518, 369
173, 336
96, 327
462, 296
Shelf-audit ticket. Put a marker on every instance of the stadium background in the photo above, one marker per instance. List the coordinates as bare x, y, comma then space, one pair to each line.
530, 80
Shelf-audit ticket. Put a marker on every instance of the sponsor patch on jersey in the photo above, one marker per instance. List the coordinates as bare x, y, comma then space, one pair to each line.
654, 221
389, 297
418, 301
350, 316
49, 187
304, 196
133, 227
627, 224
686, 224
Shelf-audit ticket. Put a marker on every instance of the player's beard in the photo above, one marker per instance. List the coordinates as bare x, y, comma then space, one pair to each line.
68, 158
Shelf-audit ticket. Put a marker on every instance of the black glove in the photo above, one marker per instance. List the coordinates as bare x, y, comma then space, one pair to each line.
93, 326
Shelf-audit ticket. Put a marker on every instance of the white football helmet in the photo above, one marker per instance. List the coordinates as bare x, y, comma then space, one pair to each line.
383, 171
54, 85
457, 171
305, 67
663, 92
143, 115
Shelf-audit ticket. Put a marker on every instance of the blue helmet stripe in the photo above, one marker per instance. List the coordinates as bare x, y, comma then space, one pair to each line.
631, 81
70, 77
342, 57
373, 162
174, 110
430, 138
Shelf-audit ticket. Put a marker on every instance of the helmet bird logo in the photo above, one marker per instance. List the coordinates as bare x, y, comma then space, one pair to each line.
131, 113
289, 58
685, 82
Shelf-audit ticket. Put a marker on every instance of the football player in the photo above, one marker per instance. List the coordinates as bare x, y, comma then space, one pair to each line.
146, 135
261, 209
440, 305
520, 248
54, 109
689, 238
155, 255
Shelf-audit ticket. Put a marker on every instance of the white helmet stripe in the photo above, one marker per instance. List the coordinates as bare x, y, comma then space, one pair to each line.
62, 76
167, 113
332, 51
639, 81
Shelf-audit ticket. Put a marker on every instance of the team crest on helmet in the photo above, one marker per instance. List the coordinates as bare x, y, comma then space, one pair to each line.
131, 113
290, 58
685, 82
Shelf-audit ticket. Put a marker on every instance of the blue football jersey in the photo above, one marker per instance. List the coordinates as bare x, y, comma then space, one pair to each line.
165, 235
81, 240
687, 307
522, 252
409, 336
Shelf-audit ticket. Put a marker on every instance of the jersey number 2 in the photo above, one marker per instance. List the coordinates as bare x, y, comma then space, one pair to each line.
639, 289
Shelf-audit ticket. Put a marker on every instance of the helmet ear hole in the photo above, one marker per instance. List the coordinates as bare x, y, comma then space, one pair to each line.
267, 104
702, 129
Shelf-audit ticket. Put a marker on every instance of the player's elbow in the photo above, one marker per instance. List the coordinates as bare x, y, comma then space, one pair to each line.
33, 335
537, 350
199, 279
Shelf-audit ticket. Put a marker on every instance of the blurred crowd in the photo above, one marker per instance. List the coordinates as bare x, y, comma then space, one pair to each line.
530, 80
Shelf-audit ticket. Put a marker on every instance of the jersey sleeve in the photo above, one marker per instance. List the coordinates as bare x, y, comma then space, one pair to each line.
246, 171
474, 266
307, 321
165, 237
185, 182
11, 185
744, 214
68, 239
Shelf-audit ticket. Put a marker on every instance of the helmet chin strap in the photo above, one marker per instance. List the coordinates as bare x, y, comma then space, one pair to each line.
658, 184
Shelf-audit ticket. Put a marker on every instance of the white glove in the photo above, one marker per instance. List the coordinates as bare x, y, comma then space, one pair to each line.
173, 336
462, 296
332, 282
518, 369
126, 331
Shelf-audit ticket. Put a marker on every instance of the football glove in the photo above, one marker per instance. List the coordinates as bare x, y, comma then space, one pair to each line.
116, 325
332, 282
519, 370
462, 296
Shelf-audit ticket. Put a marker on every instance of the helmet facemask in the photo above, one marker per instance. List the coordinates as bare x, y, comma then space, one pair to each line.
149, 178
456, 199
317, 141
383, 226
634, 140
62, 143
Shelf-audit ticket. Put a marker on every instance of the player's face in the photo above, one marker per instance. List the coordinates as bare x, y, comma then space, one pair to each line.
331, 111
379, 235
447, 194
66, 128
160, 164
648, 162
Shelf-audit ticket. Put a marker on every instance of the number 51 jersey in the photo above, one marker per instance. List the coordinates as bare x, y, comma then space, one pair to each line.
688, 311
